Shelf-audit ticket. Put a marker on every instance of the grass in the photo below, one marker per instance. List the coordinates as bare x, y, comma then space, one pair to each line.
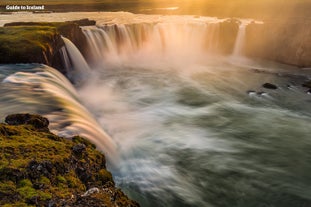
22, 43
32, 42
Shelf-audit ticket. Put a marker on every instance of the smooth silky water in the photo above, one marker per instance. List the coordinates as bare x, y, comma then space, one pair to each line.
180, 125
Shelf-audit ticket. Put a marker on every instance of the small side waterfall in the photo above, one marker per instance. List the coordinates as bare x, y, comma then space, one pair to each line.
66, 59
239, 43
77, 59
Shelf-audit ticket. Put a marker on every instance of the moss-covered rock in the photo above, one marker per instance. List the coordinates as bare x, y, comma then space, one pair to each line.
29, 44
40, 42
38, 168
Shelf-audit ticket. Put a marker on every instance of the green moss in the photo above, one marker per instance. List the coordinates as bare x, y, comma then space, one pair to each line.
44, 180
25, 183
18, 41
61, 179
18, 204
104, 176
44, 196
30, 42
37, 165
27, 192
7, 187
74, 182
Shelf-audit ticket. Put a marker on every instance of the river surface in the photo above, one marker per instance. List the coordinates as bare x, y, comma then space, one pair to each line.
180, 127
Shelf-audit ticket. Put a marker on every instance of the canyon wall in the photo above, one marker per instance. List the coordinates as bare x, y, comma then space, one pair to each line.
285, 42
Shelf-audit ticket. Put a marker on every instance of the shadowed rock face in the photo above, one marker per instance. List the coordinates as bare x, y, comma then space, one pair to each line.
227, 36
37, 121
288, 43
38, 168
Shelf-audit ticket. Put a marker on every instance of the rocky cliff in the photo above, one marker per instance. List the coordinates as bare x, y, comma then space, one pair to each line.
38, 168
228, 31
285, 42
38, 42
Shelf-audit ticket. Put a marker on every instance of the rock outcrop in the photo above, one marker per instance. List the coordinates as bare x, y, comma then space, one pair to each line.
227, 36
285, 42
38, 168
40, 42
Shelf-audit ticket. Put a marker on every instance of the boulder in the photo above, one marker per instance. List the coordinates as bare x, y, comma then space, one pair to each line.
307, 84
270, 86
37, 121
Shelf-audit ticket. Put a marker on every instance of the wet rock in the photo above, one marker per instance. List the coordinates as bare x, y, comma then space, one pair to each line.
38, 169
84, 22
33, 200
269, 86
307, 84
78, 149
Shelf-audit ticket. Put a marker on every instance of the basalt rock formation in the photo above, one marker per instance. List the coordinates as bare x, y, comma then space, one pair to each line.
38, 168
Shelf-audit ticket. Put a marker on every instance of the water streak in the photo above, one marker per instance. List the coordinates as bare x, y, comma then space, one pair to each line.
80, 66
45, 91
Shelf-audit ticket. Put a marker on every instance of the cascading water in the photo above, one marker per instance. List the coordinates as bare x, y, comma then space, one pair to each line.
239, 44
43, 90
119, 42
190, 129
66, 59
188, 132
80, 66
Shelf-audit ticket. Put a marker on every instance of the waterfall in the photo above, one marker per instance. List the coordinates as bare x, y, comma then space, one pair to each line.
77, 59
45, 91
123, 41
239, 43
66, 59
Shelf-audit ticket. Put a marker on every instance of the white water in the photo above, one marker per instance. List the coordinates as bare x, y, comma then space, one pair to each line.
80, 66
66, 59
122, 42
239, 44
44, 90
184, 122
